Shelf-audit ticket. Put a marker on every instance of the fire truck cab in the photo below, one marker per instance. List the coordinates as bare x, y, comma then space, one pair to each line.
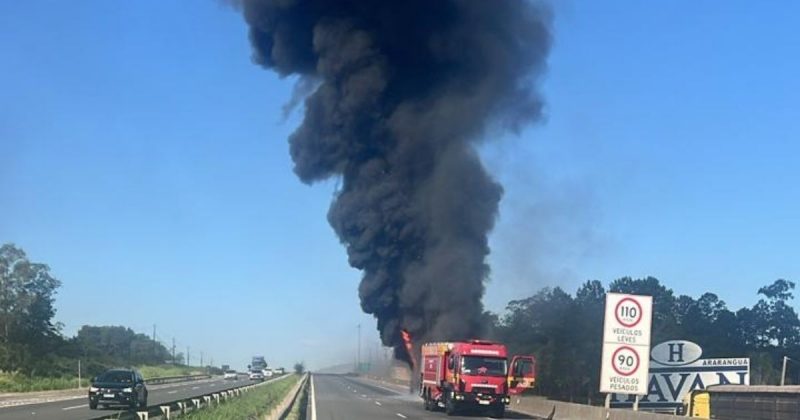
473, 375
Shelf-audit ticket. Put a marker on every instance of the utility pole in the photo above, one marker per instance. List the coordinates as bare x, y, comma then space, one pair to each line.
376, 362
783, 371
187, 356
173, 350
154, 341
358, 354
201, 359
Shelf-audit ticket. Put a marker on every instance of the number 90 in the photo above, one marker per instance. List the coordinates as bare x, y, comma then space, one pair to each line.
625, 361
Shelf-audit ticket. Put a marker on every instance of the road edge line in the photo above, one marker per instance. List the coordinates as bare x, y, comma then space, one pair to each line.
313, 400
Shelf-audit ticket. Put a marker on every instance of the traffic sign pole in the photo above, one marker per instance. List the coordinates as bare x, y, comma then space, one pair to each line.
626, 344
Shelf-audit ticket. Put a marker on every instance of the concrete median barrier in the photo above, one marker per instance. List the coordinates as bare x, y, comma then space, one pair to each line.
542, 407
281, 409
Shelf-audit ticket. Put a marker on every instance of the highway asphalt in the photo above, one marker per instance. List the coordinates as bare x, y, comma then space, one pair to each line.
78, 409
338, 397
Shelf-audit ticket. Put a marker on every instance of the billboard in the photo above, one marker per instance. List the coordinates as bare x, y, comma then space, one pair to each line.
676, 368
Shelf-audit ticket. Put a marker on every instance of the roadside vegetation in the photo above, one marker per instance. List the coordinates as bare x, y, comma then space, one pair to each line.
253, 404
36, 356
15, 382
18, 382
168, 370
299, 368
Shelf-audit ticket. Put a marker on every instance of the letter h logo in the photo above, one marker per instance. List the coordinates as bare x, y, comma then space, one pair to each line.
676, 352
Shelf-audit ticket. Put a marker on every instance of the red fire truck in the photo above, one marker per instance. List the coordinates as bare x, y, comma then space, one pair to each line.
472, 375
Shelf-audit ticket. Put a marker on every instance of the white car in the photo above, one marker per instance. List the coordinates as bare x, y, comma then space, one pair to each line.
256, 375
267, 373
230, 374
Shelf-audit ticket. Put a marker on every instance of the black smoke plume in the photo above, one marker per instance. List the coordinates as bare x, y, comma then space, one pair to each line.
403, 91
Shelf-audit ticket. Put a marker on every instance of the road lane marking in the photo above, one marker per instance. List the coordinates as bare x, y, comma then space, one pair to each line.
74, 407
172, 392
195, 387
313, 401
377, 403
393, 391
363, 396
401, 416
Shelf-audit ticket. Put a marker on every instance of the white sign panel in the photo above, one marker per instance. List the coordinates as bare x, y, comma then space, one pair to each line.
626, 344
677, 369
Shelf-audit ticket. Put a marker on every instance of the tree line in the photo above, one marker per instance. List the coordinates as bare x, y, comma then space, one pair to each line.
32, 343
565, 331
562, 330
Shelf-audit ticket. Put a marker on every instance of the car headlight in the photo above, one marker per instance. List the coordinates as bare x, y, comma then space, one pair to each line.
93, 389
127, 390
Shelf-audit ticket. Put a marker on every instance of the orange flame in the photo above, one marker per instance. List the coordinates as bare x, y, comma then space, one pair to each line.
409, 348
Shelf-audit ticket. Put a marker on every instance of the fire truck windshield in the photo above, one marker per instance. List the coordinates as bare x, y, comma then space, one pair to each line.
484, 366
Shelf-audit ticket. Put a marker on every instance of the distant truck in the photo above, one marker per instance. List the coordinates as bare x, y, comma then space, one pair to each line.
472, 376
258, 363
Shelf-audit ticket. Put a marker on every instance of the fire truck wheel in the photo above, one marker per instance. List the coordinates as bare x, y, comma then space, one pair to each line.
449, 406
499, 411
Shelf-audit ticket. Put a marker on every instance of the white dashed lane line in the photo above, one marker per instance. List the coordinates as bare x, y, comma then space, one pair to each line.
401, 416
74, 407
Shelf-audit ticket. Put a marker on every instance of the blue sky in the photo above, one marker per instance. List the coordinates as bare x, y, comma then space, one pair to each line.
144, 158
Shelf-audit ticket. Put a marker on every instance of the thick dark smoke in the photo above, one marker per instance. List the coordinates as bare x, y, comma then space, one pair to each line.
404, 90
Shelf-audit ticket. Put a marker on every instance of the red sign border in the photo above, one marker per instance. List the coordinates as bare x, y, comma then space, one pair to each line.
638, 305
614, 356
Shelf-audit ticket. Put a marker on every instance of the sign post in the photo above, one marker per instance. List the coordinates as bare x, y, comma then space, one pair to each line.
626, 344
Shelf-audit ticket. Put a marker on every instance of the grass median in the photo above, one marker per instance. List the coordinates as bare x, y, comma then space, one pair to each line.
251, 405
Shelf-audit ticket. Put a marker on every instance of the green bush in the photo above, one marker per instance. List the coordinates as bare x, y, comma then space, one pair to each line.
60, 379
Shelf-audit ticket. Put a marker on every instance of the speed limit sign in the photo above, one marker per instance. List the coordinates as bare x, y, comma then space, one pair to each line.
628, 312
625, 361
626, 344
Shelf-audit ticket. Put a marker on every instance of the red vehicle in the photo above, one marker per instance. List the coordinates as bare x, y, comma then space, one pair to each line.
472, 375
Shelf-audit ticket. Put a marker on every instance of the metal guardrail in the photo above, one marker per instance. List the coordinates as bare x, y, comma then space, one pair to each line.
183, 405
173, 379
